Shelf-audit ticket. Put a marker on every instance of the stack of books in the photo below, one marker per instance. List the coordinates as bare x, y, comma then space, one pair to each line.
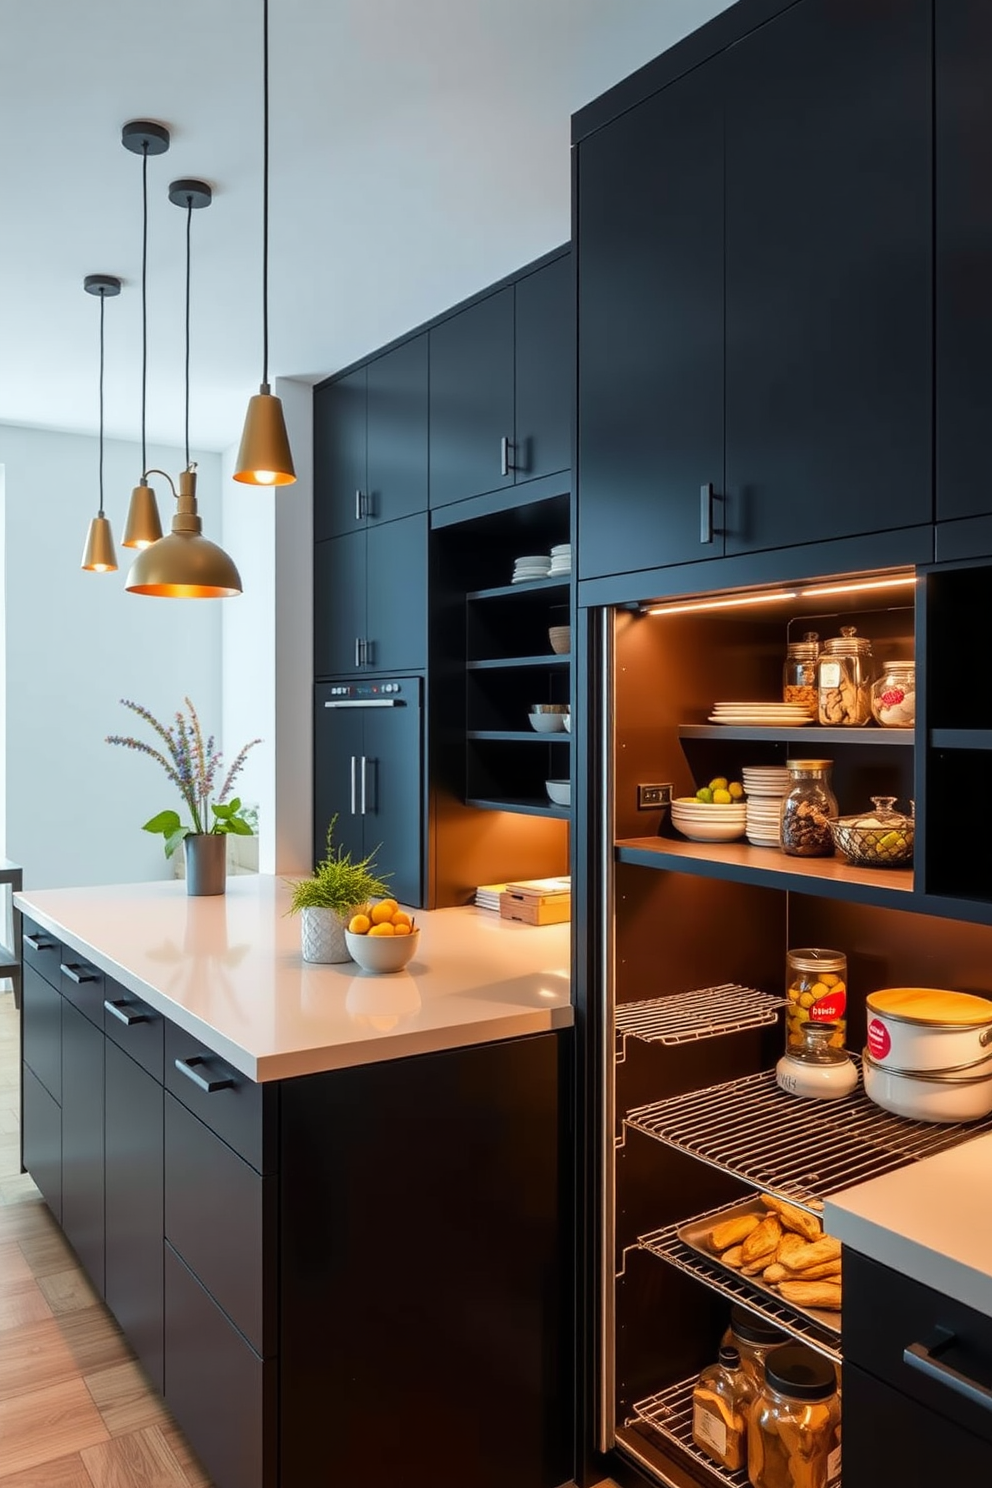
487, 896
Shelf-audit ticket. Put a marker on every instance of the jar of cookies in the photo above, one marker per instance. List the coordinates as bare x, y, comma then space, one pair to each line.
816, 986
844, 677
793, 1432
808, 808
799, 676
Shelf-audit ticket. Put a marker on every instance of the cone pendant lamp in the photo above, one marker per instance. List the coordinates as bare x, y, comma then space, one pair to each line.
98, 554
264, 458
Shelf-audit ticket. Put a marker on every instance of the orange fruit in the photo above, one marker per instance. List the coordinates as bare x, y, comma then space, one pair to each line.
359, 924
383, 911
401, 918
382, 928
401, 929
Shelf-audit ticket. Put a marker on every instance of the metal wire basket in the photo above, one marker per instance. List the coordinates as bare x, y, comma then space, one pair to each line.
884, 846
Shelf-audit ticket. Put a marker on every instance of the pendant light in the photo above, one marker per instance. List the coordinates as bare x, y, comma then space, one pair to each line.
264, 458
143, 527
185, 565
99, 555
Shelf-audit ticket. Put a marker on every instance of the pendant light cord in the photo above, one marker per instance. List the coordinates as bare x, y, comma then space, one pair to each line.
144, 300
189, 224
265, 195
103, 302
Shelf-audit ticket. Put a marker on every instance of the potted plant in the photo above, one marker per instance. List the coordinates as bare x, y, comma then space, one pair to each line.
330, 896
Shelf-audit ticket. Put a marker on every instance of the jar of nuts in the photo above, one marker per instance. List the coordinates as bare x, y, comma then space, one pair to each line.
799, 680
816, 986
845, 672
807, 810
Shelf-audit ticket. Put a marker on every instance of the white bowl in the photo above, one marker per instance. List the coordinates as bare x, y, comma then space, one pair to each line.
547, 723
559, 791
567, 722
927, 1097
702, 831
382, 953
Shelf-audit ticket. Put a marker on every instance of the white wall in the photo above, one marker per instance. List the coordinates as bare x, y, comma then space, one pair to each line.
75, 644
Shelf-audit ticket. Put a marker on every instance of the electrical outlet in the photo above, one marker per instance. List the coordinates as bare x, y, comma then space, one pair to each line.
650, 797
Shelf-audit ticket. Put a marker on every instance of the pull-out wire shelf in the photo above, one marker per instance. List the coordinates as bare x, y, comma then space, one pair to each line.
687, 1017
800, 1150
670, 1414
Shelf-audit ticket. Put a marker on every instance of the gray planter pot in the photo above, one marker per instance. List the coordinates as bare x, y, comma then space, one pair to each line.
206, 862
323, 935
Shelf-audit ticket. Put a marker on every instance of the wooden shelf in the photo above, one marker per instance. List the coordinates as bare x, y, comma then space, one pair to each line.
812, 735
538, 806
533, 586
505, 662
519, 736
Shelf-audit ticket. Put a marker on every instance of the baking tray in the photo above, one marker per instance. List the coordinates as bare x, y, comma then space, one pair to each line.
694, 1235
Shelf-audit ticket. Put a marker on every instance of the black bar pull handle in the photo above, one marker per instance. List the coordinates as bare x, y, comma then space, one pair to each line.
188, 1068
38, 942
125, 1014
706, 513
924, 1357
75, 973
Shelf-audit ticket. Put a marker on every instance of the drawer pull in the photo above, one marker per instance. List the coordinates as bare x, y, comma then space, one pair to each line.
205, 1082
125, 1014
72, 970
38, 942
924, 1358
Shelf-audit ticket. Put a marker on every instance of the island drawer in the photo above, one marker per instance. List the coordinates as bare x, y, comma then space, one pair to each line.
220, 1216
135, 1027
237, 1109
41, 951
41, 1016
82, 984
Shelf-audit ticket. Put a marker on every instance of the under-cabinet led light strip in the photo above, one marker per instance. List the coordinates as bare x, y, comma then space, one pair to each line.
774, 596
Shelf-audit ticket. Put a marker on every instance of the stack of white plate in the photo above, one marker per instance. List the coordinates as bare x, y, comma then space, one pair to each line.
764, 787
561, 559
533, 566
760, 715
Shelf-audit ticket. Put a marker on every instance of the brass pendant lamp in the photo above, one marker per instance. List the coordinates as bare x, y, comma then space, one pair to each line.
185, 564
99, 555
264, 458
143, 137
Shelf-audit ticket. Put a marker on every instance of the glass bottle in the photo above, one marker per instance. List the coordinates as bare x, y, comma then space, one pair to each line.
719, 1418
807, 810
817, 1069
844, 677
816, 986
799, 673
893, 695
794, 1422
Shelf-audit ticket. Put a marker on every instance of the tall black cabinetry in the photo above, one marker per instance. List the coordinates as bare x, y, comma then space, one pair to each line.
370, 599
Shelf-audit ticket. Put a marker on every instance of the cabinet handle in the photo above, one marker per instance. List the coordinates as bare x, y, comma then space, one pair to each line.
358, 651
368, 653
706, 513
364, 783
38, 942
353, 798
358, 506
218, 1082
123, 1014
923, 1357
504, 456
72, 971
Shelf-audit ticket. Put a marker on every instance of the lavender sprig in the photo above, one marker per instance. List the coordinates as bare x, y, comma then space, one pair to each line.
236, 768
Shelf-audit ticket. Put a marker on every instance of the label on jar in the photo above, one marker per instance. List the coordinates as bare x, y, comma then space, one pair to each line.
829, 1008
708, 1428
829, 673
833, 1467
879, 1042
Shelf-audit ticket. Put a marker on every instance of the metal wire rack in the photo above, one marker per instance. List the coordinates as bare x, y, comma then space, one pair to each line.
687, 1017
670, 1413
799, 1150
666, 1244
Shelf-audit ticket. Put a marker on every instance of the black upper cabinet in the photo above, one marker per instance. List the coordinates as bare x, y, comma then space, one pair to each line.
339, 604
964, 256
370, 442
650, 331
828, 274
471, 400
370, 599
544, 341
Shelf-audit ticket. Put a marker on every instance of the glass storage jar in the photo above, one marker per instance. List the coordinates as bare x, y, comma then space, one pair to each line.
816, 1069
794, 1423
719, 1411
816, 986
807, 810
799, 678
893, 695
753, 1338
844, 677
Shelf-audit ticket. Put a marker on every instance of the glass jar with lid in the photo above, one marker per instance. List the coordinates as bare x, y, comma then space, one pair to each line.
816, 987
807, 810
719, 1411
799, 676
893, 695
753, 1338
794, 1422
844, 678
816, 1070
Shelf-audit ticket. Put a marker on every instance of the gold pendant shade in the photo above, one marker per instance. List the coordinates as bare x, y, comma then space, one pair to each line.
99, 555
184, 565
264, 458
144, 526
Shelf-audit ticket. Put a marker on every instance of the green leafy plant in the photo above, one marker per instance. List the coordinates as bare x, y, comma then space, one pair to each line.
192, 765
338, 883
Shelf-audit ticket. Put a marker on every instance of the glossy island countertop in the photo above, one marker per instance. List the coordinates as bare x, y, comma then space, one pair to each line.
931, 1221
228, 969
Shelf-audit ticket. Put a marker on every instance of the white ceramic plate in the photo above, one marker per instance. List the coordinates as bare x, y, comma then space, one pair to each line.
749, 720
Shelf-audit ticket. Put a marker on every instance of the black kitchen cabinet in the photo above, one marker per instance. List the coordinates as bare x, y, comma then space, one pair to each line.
83, 1140
544, 361
650, 332
828, 274
471, 400
370, 599
370, 442
339, 604
41, 1016
41, 1139
963, 40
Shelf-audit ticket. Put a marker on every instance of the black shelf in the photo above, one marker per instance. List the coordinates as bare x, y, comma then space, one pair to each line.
812, 734
524, 806
520, 736
961, 738
532, 586
504, 663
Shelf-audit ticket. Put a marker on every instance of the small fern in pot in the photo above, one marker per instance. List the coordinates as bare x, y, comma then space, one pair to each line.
327, 899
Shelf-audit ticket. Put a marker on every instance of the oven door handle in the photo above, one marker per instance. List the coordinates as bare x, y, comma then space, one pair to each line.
924, 1357
363, 703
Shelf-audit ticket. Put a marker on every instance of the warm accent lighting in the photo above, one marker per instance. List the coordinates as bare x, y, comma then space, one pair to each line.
98, 554
264, 458
902, 582
722, 604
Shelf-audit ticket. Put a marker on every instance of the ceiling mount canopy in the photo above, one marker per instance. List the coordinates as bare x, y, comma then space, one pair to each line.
98, 554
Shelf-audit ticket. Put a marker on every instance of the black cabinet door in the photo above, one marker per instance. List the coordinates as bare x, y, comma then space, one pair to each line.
828, 274
339, 468
650, 331
471, 400
963, 33
42, 1139
339, 604
544, 358
889, 1438
82, 1140
396, 596
397, 432
339, 741
393, 752
41, 1016
134, 1145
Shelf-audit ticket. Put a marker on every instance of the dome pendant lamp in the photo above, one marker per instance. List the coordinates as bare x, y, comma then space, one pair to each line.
99, 555
143, 527
264, 458
185, 565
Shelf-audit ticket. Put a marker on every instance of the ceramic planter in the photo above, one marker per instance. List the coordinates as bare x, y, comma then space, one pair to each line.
206, 862
322, 933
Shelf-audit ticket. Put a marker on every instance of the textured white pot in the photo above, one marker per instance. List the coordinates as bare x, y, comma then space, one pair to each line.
323, 936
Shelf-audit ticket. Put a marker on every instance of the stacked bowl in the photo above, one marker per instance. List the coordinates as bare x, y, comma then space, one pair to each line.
765, 786
929, 1053
703, 821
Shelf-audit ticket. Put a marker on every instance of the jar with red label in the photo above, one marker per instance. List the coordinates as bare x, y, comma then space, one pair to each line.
816, 986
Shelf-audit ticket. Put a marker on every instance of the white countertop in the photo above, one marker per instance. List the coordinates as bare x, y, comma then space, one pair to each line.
229, 970
931, 1221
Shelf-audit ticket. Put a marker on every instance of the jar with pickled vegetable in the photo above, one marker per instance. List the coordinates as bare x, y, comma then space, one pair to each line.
816, 986
793, 1438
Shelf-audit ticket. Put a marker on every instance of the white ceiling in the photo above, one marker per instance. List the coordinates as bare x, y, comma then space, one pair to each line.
419, 150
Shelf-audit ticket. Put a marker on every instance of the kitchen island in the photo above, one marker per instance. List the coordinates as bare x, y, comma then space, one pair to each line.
332, 1211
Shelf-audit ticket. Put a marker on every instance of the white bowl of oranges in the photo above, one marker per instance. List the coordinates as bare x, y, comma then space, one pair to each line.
381, 937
